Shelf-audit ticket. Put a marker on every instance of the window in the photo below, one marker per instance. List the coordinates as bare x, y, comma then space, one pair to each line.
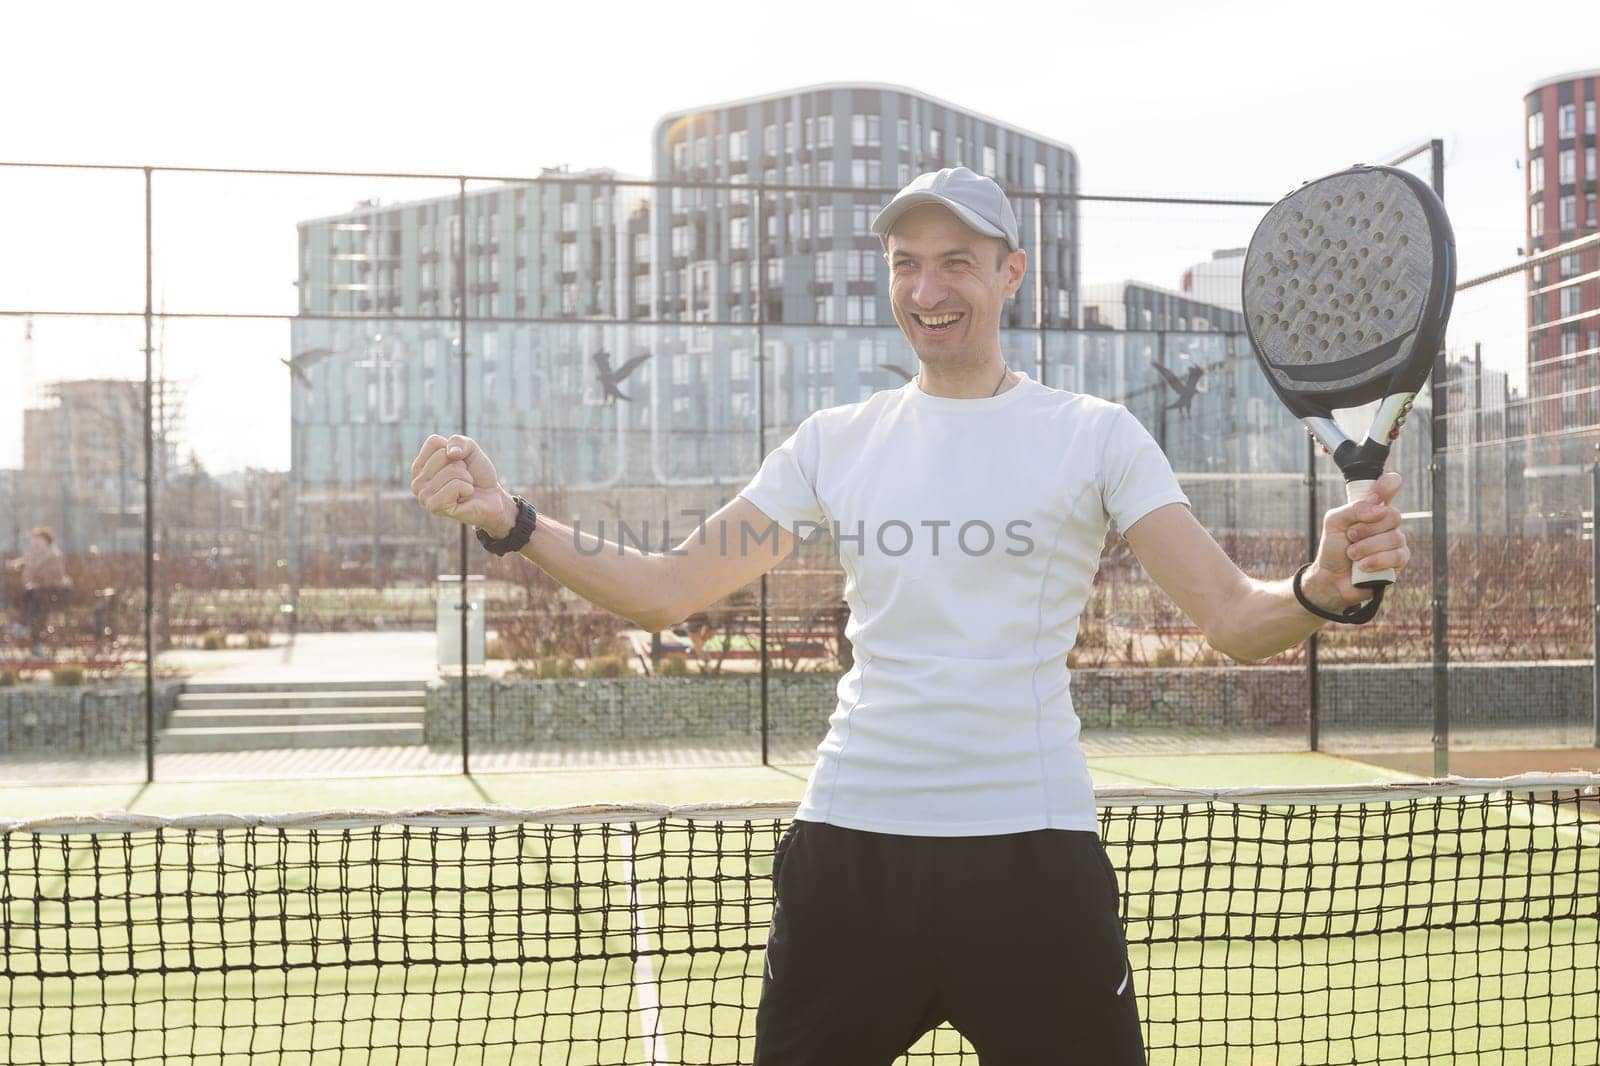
427, 275
824, 222
769, 139
774, 274
680, 155
824, 310
739, 233
1588, 164
569, 257
863, 265
861, 219
788, 136
569, 215
739, 146
1038, 175
824, 269
1568, 211
702, 149
989, 161
1569, 345
864, 131
569, 298
1588, 117
680, 241
904, 174
862, 311
1536, 218
1566, 121
1536, 131
1571, 300
936, 143
1569, 265
425, 238
641, 247
736, 275
866, 173
811, 136
641, 290
1536, 174
1590, 211
824, 131
1536, 315
903, 133
1567, 166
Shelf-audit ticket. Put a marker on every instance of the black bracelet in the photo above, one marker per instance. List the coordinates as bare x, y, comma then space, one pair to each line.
1360, 614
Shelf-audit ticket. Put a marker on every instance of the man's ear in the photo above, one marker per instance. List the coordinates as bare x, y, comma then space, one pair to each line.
1016, 268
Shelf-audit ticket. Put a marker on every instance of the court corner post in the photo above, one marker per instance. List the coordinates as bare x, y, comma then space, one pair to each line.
1594, 576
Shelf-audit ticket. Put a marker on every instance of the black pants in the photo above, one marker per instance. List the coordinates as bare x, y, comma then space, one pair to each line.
877, 938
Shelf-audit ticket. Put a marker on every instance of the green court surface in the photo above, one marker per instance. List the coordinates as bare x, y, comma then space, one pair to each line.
1422, 931
675, 786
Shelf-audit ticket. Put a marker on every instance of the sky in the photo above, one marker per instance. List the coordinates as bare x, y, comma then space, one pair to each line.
1239, 99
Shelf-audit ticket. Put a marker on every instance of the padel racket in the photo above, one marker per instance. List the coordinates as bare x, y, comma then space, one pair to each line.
1348, 283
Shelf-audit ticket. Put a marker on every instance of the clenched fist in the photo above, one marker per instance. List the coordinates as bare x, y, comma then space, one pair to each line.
454, 479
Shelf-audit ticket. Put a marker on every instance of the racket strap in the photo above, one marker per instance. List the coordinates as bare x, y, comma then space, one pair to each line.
1360, 614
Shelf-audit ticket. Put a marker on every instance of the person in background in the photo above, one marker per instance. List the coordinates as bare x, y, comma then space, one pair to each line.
44, 582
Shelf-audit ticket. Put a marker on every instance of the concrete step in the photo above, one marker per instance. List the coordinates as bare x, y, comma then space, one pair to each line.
306, 698
242, 717
263, 738
199, 687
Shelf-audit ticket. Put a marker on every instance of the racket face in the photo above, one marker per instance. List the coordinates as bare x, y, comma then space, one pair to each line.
1348, 282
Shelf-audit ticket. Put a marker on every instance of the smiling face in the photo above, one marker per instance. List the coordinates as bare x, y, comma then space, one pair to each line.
948, 284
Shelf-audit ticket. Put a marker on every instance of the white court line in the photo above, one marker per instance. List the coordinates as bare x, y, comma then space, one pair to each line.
644, 978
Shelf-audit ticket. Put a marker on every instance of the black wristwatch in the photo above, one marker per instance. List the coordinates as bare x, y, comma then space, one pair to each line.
513, 541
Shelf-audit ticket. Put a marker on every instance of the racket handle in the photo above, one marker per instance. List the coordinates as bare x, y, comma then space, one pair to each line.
1360, 578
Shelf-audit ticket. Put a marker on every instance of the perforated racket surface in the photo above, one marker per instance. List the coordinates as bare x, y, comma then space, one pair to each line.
1348, 283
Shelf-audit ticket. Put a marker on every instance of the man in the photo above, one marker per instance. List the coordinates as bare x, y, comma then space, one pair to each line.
945, 864
44, 581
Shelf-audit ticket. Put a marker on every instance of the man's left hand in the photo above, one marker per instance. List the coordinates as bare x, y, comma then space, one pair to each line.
1366, 531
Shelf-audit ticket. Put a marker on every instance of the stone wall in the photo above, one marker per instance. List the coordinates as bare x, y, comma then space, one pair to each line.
81, 720
528, 712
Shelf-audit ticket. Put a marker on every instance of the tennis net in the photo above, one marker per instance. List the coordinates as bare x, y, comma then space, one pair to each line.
1454, 921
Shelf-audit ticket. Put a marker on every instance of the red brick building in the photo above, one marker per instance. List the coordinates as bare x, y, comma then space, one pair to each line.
1564, 294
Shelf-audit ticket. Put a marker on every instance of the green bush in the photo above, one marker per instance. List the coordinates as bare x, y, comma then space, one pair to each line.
673, 666
494, 649
7, 678
556, 666
606, 666
213, 640
257, 638
1166, 656
66, 676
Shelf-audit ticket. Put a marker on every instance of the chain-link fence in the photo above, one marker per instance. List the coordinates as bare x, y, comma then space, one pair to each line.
222, 378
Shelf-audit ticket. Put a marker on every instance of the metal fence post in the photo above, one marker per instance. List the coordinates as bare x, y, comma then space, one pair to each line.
759, 234
1441, 532
1313, 539
149, 494
461, 352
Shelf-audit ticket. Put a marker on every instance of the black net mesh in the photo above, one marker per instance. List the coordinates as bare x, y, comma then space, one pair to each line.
1419, 924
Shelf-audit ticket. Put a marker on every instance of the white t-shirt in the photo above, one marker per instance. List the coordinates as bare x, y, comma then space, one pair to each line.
970, 532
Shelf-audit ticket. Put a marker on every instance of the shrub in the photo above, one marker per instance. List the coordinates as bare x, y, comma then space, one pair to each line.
1166, 656
606, 666
555, 666
494, 649
257, 638
7, 678
213, 640
673, 666
66, 676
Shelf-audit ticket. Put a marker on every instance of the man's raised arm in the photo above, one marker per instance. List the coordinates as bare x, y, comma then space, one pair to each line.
453, 478
1251, 620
